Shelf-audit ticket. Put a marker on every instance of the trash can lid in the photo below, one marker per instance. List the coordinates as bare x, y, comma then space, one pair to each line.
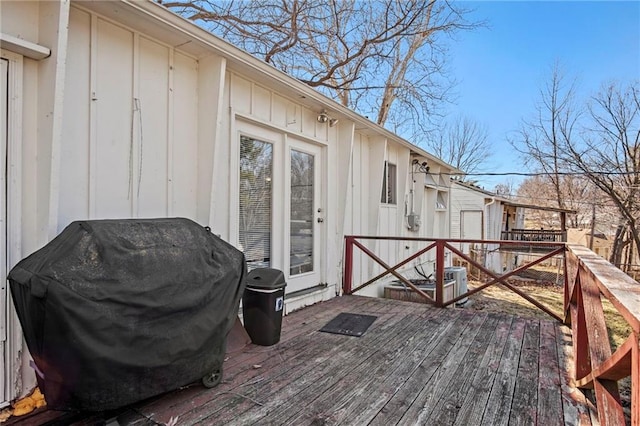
267, 278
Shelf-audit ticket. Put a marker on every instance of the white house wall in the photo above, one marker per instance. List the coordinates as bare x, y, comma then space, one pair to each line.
464, 200
366, 215
359, 216
35, 120
494, 213
264, 113
130, 133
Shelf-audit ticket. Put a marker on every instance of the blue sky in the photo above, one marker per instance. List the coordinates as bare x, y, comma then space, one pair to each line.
500, 69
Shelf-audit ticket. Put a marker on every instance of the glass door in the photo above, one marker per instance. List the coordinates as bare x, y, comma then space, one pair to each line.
280, 213
306, 215
256, 193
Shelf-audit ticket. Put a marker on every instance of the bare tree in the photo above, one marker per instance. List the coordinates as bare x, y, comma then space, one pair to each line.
506, 189
602, 145
578, 193
462, 143
382, 58
609, 156
541, 138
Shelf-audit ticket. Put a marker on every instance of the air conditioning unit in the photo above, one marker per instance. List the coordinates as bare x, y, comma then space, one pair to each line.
399, 291
459, 275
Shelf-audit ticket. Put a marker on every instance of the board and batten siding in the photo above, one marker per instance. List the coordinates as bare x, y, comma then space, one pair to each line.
137, 113
367, 215
130, 128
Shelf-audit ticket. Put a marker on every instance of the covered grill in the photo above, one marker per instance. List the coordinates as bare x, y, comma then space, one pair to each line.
115, 311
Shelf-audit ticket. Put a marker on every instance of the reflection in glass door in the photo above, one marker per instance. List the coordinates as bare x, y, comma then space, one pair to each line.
301, 253
254, 233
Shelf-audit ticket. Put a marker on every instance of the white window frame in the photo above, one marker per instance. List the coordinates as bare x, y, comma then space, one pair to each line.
389, 193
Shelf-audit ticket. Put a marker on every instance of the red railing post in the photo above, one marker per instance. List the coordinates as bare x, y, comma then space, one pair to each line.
347, 279
566, 315
579, 336
440, 273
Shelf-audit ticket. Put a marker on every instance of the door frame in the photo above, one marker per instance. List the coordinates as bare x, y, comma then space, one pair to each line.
13, 357
318, 152
280, 138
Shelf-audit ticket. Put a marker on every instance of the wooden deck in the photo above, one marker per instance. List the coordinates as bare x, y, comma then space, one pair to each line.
415, 365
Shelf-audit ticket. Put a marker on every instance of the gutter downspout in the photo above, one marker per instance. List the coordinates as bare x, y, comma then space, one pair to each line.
486, 213
486, 231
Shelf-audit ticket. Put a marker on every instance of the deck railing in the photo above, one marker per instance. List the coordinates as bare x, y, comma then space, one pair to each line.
534, 235
587, 279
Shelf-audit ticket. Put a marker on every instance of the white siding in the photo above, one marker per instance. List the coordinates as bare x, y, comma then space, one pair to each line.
74, 171
184, 136
130, 143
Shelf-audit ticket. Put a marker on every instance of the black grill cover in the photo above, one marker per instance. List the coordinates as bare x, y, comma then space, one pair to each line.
115, 311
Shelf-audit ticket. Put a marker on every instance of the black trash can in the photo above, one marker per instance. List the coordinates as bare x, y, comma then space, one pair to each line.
262, 305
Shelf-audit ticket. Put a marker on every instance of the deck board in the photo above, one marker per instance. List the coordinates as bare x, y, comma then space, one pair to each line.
444, 370
499, 403
549, 385
362, 384
321, 375
415, 365
524, 408
473, 407
373, 394
454, 394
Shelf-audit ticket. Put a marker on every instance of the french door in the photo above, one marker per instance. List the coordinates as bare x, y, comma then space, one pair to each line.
280, 205
305, 214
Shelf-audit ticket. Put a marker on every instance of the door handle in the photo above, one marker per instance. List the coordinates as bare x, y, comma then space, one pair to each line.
320, 220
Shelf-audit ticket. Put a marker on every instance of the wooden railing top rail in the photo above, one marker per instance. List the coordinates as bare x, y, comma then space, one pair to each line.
619, 288
554, 244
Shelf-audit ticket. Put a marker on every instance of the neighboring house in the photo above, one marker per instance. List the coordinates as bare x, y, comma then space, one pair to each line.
122, 109
601, 245
477, 214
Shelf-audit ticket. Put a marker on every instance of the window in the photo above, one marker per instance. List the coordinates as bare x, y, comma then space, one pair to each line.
441, 200
389, 184
254, 236
301, 225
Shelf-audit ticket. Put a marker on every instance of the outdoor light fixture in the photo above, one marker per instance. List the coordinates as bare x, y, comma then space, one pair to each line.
421, 166
323, 117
